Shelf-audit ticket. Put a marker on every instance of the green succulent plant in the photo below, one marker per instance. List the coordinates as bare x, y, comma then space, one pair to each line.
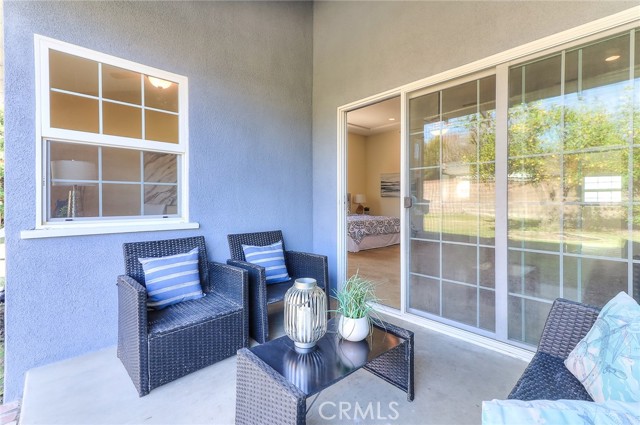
355, 297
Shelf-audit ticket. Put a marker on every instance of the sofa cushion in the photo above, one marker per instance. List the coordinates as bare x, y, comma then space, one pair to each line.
172, 279
189, 313
510, 412
547, 378
271, 257
607, 360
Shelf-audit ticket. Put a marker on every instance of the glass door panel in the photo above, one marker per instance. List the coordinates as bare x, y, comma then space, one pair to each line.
571, 177
452, 219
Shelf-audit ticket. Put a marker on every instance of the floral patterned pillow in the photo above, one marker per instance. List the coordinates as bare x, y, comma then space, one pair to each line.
607, 360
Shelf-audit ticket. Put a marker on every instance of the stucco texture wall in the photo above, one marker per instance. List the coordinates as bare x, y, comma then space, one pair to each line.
362, 48
249, 66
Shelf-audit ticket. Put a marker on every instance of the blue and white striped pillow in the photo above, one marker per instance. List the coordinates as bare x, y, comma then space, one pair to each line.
171, 279
271, 257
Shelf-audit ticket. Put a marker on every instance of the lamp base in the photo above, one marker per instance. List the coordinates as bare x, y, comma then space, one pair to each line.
360, 209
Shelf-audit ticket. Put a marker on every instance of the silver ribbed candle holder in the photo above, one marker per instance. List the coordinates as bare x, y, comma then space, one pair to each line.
305, 314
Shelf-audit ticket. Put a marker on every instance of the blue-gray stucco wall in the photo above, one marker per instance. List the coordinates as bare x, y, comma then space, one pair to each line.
249, 66
364, 48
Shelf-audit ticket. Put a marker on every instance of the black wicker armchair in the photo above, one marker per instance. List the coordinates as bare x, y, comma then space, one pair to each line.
299, 264
546, 377
158, 346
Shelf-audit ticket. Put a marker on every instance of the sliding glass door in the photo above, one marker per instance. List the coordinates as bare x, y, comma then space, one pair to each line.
452, 219
573, 182
569, 198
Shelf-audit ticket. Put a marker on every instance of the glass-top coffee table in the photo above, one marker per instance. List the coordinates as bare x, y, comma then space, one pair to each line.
274, 381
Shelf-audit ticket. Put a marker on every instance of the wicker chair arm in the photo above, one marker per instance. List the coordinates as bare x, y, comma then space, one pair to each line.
303, 264
132, 331
568, 322
229, 281
131, 289
233, 284
257, 294
256, 272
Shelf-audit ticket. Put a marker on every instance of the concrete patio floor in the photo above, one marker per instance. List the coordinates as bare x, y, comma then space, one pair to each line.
452, 378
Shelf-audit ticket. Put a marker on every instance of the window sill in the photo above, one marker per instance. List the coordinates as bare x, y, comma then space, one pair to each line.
104, 229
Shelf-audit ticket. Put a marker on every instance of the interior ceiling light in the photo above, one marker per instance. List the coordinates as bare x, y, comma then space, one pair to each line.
159, 83
612, 58
392, 119
439, 132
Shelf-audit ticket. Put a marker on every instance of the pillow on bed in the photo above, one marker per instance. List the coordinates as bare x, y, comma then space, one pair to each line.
271, 257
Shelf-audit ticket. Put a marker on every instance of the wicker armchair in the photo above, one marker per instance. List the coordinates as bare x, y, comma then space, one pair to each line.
546, 377
299, 264
158, 346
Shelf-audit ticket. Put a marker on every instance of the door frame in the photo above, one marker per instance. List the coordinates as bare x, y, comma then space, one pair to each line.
341, 200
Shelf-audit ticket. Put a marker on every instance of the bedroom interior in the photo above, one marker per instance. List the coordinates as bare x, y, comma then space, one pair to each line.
373, 185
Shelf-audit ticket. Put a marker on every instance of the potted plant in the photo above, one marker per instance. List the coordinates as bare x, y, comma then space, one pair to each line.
354, 305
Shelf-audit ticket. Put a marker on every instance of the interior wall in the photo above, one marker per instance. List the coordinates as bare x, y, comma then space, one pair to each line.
356, 167
249, 66
383, 156
358, 51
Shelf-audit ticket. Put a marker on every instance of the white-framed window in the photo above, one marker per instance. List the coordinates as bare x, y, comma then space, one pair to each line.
112, 140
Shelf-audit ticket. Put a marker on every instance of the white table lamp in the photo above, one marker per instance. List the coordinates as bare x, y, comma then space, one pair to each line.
359, 199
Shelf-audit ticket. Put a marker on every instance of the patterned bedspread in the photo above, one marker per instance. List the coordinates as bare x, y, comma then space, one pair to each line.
365, 225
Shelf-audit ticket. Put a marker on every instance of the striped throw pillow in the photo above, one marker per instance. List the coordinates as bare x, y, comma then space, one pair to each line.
171, 279
271, 257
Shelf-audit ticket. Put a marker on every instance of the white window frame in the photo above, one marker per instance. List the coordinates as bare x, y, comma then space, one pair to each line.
45, 132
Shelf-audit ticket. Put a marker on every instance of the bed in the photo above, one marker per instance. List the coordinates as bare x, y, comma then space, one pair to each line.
372, 231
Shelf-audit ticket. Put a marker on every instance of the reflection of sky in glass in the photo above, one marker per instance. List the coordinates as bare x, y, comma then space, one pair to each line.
612, 101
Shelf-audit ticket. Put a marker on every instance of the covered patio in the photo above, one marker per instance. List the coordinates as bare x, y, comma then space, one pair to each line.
244, 130
452, 378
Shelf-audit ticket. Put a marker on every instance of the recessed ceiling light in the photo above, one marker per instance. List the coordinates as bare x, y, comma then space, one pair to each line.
439, 132
392, 119
612, 58
159, 83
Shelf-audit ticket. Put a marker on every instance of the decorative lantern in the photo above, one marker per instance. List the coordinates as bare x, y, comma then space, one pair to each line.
305, 314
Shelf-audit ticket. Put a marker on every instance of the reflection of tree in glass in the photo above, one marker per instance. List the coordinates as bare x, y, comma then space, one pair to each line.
545, 127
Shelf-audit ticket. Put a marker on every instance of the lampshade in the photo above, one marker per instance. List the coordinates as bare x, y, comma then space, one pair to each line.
68, 169
359, 198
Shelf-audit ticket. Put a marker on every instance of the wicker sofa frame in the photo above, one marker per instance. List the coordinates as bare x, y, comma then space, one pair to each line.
546, 377
299, 264
160, 346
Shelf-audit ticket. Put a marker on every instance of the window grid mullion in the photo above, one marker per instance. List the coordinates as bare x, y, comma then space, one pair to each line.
142, 212
630, 217
100, 188
100, 109
563, 73
142, 103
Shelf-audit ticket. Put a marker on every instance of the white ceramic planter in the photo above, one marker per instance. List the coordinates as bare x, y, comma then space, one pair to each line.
353, 329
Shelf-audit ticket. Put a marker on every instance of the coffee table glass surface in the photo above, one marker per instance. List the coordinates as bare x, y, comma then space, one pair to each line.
332, 359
